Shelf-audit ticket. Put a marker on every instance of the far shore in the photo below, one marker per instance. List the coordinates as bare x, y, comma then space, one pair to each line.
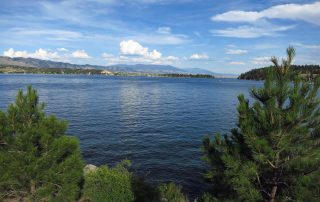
34, 70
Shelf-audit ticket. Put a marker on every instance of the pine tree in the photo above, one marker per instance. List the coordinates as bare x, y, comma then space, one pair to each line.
38, 161
274, 154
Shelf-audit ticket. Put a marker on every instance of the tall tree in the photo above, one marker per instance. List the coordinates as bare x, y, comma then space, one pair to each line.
274, 154
37, 160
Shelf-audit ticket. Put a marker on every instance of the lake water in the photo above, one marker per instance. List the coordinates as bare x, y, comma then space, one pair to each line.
157, 123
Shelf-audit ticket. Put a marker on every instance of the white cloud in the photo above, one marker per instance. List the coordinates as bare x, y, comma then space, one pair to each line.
236, 63
237, 16
44, 54
155, 54
62, 49
307, 46
258, 20
47, 54
260, 60
131, 47
236, 51
133, 52
254, 31
164, 30
39, 54
80, 54
172, 58
197, 56
305, 12
12, 53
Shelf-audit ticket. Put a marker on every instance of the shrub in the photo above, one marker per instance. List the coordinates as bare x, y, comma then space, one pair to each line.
109, 185
171, 193
207, 197
144, 191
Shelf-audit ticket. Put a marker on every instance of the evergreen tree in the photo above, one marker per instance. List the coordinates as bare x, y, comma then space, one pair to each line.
274, 154
38, 161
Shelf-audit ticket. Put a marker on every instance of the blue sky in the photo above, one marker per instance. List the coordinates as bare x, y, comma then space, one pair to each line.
230, 36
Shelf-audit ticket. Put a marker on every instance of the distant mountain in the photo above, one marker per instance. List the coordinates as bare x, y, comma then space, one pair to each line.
147, 68
198, 71
224, 75
32, 62
141, 68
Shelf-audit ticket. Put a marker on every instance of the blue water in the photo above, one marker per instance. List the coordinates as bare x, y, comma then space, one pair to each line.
157, 123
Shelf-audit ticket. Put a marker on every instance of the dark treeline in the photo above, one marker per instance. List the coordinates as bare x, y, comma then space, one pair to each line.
187, 75
272, 155
306, 71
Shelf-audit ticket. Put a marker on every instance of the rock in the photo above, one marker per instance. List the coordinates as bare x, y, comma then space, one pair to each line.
89, 168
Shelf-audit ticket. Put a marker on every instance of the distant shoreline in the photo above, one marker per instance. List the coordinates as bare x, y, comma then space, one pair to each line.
7, 69
308, 72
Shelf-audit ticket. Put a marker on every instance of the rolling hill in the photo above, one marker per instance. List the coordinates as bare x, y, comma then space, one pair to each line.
307, 71
141, 68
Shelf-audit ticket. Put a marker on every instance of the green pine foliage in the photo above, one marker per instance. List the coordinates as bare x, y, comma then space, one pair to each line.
109, 184
274, 154
38, 162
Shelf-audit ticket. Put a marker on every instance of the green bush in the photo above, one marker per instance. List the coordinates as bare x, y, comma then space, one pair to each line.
171, 193
109, 185
144, 191
207, 197
38, 161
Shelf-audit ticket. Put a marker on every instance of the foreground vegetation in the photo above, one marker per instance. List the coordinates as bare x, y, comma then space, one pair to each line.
9, 69
273, 155
308, 72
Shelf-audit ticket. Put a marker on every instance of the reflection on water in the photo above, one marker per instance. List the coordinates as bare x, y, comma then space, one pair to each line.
157, 123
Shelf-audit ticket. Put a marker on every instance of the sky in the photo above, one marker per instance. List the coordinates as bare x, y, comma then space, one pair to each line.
230, 36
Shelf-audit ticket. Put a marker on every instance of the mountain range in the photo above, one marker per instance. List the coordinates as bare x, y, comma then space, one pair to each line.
142, 68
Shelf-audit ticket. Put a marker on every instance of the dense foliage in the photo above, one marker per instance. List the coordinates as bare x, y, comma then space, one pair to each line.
37, 160
308, 72
107, 184
274, 154
171, 193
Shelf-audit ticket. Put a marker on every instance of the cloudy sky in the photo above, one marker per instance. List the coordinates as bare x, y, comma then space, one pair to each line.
230, 36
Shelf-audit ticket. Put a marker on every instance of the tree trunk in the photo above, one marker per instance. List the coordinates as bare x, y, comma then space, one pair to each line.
273, 193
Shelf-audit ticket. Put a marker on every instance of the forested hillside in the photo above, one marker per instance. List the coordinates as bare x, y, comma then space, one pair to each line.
307, 71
